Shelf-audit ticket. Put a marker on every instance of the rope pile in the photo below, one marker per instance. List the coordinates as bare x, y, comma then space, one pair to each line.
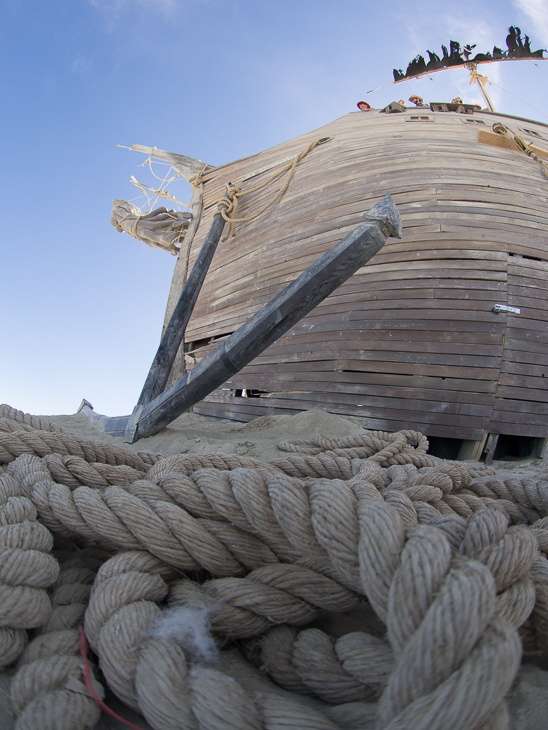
357, 583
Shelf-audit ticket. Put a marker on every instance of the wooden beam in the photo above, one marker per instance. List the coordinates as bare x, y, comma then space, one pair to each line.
485, 136
472, 450
174, 333
491, 447
275, 318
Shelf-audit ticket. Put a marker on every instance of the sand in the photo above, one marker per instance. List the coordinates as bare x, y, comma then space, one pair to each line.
192, 433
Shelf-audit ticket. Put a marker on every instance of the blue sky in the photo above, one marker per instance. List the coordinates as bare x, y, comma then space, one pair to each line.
83, 305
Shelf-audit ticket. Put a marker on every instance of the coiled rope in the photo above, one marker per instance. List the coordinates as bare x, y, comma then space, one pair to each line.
440, 560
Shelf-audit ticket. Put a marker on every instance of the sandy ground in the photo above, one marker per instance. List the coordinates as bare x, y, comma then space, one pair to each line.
192, 433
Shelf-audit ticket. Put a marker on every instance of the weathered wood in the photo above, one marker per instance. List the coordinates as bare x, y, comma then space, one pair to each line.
539, 448
248, 408
175, 331
498, 140
472, 449
470, 212
287, 308
491, 447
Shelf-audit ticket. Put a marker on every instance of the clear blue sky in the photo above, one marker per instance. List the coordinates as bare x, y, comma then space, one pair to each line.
82, 305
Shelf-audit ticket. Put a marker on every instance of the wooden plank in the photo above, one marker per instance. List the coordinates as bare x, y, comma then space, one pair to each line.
523, 369
278, 316
426, 418
522, 393
527, 339
447, 388
525, 407
430, 356
287, 258
521, 380
272, 407
518, 325
363, 388
431, 293
472, 450
387, 334
420, 369
530, 358
520, 417
519, 429
485, 136
345, 340
372, 405
490, 448
382, 292
405, 316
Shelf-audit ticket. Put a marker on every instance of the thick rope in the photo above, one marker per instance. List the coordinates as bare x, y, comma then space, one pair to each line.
158, 678
449, 589
374, 520
274, 594
430, 601
183, 530
522, 145
310, 661
40, 442
73, 471
48, 688
26, 419
26, 570
351, 668
529, 496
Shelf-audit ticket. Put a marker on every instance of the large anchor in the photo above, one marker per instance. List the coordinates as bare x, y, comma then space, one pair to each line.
157, 408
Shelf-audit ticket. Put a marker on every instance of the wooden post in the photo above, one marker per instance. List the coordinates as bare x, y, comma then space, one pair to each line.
472, 450
490, 448
173, 336
275, 318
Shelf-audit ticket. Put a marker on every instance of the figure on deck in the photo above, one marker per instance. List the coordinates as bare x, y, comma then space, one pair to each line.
417, 100
511, 40
467, 50
434, 61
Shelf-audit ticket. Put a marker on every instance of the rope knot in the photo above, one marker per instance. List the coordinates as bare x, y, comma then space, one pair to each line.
233, 192
521, 144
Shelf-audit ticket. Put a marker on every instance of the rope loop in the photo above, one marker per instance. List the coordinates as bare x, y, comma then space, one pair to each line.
234, 193
521, 144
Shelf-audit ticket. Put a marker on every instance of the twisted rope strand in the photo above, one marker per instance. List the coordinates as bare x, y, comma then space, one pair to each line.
238, 546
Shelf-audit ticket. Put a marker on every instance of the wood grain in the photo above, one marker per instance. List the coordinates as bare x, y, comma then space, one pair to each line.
410, 341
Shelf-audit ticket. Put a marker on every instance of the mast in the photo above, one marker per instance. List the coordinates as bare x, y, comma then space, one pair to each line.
481, 82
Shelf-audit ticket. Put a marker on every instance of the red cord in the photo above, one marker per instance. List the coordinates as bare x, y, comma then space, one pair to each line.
89, 684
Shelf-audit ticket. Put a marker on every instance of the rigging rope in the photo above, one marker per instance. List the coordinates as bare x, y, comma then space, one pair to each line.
522, 145
234, 193
518, 98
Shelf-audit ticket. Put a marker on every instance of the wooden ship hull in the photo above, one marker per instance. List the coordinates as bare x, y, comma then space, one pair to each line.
414, 339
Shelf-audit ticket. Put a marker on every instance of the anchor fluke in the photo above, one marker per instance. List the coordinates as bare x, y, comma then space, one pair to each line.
388, 216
